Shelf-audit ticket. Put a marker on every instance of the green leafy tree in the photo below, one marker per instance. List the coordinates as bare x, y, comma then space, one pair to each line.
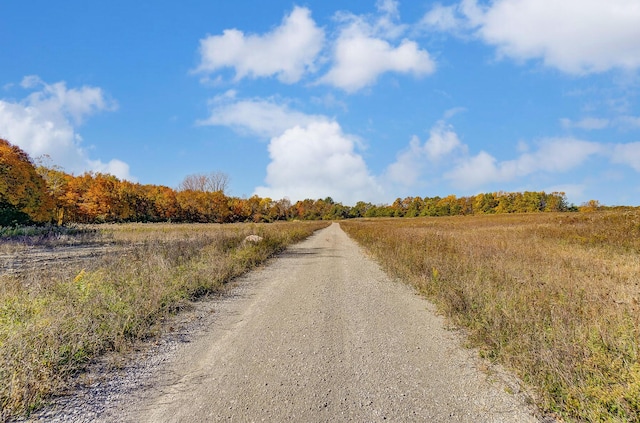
360, 209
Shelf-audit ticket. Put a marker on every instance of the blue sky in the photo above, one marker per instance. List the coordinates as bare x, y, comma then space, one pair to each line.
367, 100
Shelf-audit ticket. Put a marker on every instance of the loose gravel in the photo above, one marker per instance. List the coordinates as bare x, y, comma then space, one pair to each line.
320, 334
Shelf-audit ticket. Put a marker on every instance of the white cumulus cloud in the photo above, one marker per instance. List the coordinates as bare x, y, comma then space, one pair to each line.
442, 141
365, 49
361, 48
286, 52
311, 157
360, 60
574, 36
410, 164
45, 122
315, 161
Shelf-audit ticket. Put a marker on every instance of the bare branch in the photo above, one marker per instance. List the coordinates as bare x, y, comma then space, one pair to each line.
211, 182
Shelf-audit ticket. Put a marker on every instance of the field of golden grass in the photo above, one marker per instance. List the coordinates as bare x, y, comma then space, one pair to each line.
55, 319
554, 297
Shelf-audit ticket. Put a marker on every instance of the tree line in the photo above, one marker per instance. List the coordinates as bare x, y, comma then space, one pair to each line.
46, 194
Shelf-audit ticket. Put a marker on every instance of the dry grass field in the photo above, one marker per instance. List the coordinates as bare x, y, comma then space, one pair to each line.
555, 297
57, 315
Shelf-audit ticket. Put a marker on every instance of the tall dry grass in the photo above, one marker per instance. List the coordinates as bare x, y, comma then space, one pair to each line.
553, 296
54, 321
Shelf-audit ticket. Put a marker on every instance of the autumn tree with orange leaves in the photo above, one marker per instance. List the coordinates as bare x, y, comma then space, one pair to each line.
23, 193
48, 194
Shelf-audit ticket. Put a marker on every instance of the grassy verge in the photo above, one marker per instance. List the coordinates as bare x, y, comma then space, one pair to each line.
552, 296
53, 325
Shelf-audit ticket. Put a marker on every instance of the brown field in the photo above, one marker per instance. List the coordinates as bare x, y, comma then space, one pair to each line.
554, 297
67, 299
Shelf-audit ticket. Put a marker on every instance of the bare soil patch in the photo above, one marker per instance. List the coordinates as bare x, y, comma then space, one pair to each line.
29, 258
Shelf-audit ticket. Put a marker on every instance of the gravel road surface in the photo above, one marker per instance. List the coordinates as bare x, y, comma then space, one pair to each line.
320, 334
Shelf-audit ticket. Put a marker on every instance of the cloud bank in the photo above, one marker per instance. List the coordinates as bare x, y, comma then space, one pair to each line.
553, 156
443, 159
312, 157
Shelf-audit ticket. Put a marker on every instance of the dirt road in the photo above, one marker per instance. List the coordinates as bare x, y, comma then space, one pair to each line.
322, 334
